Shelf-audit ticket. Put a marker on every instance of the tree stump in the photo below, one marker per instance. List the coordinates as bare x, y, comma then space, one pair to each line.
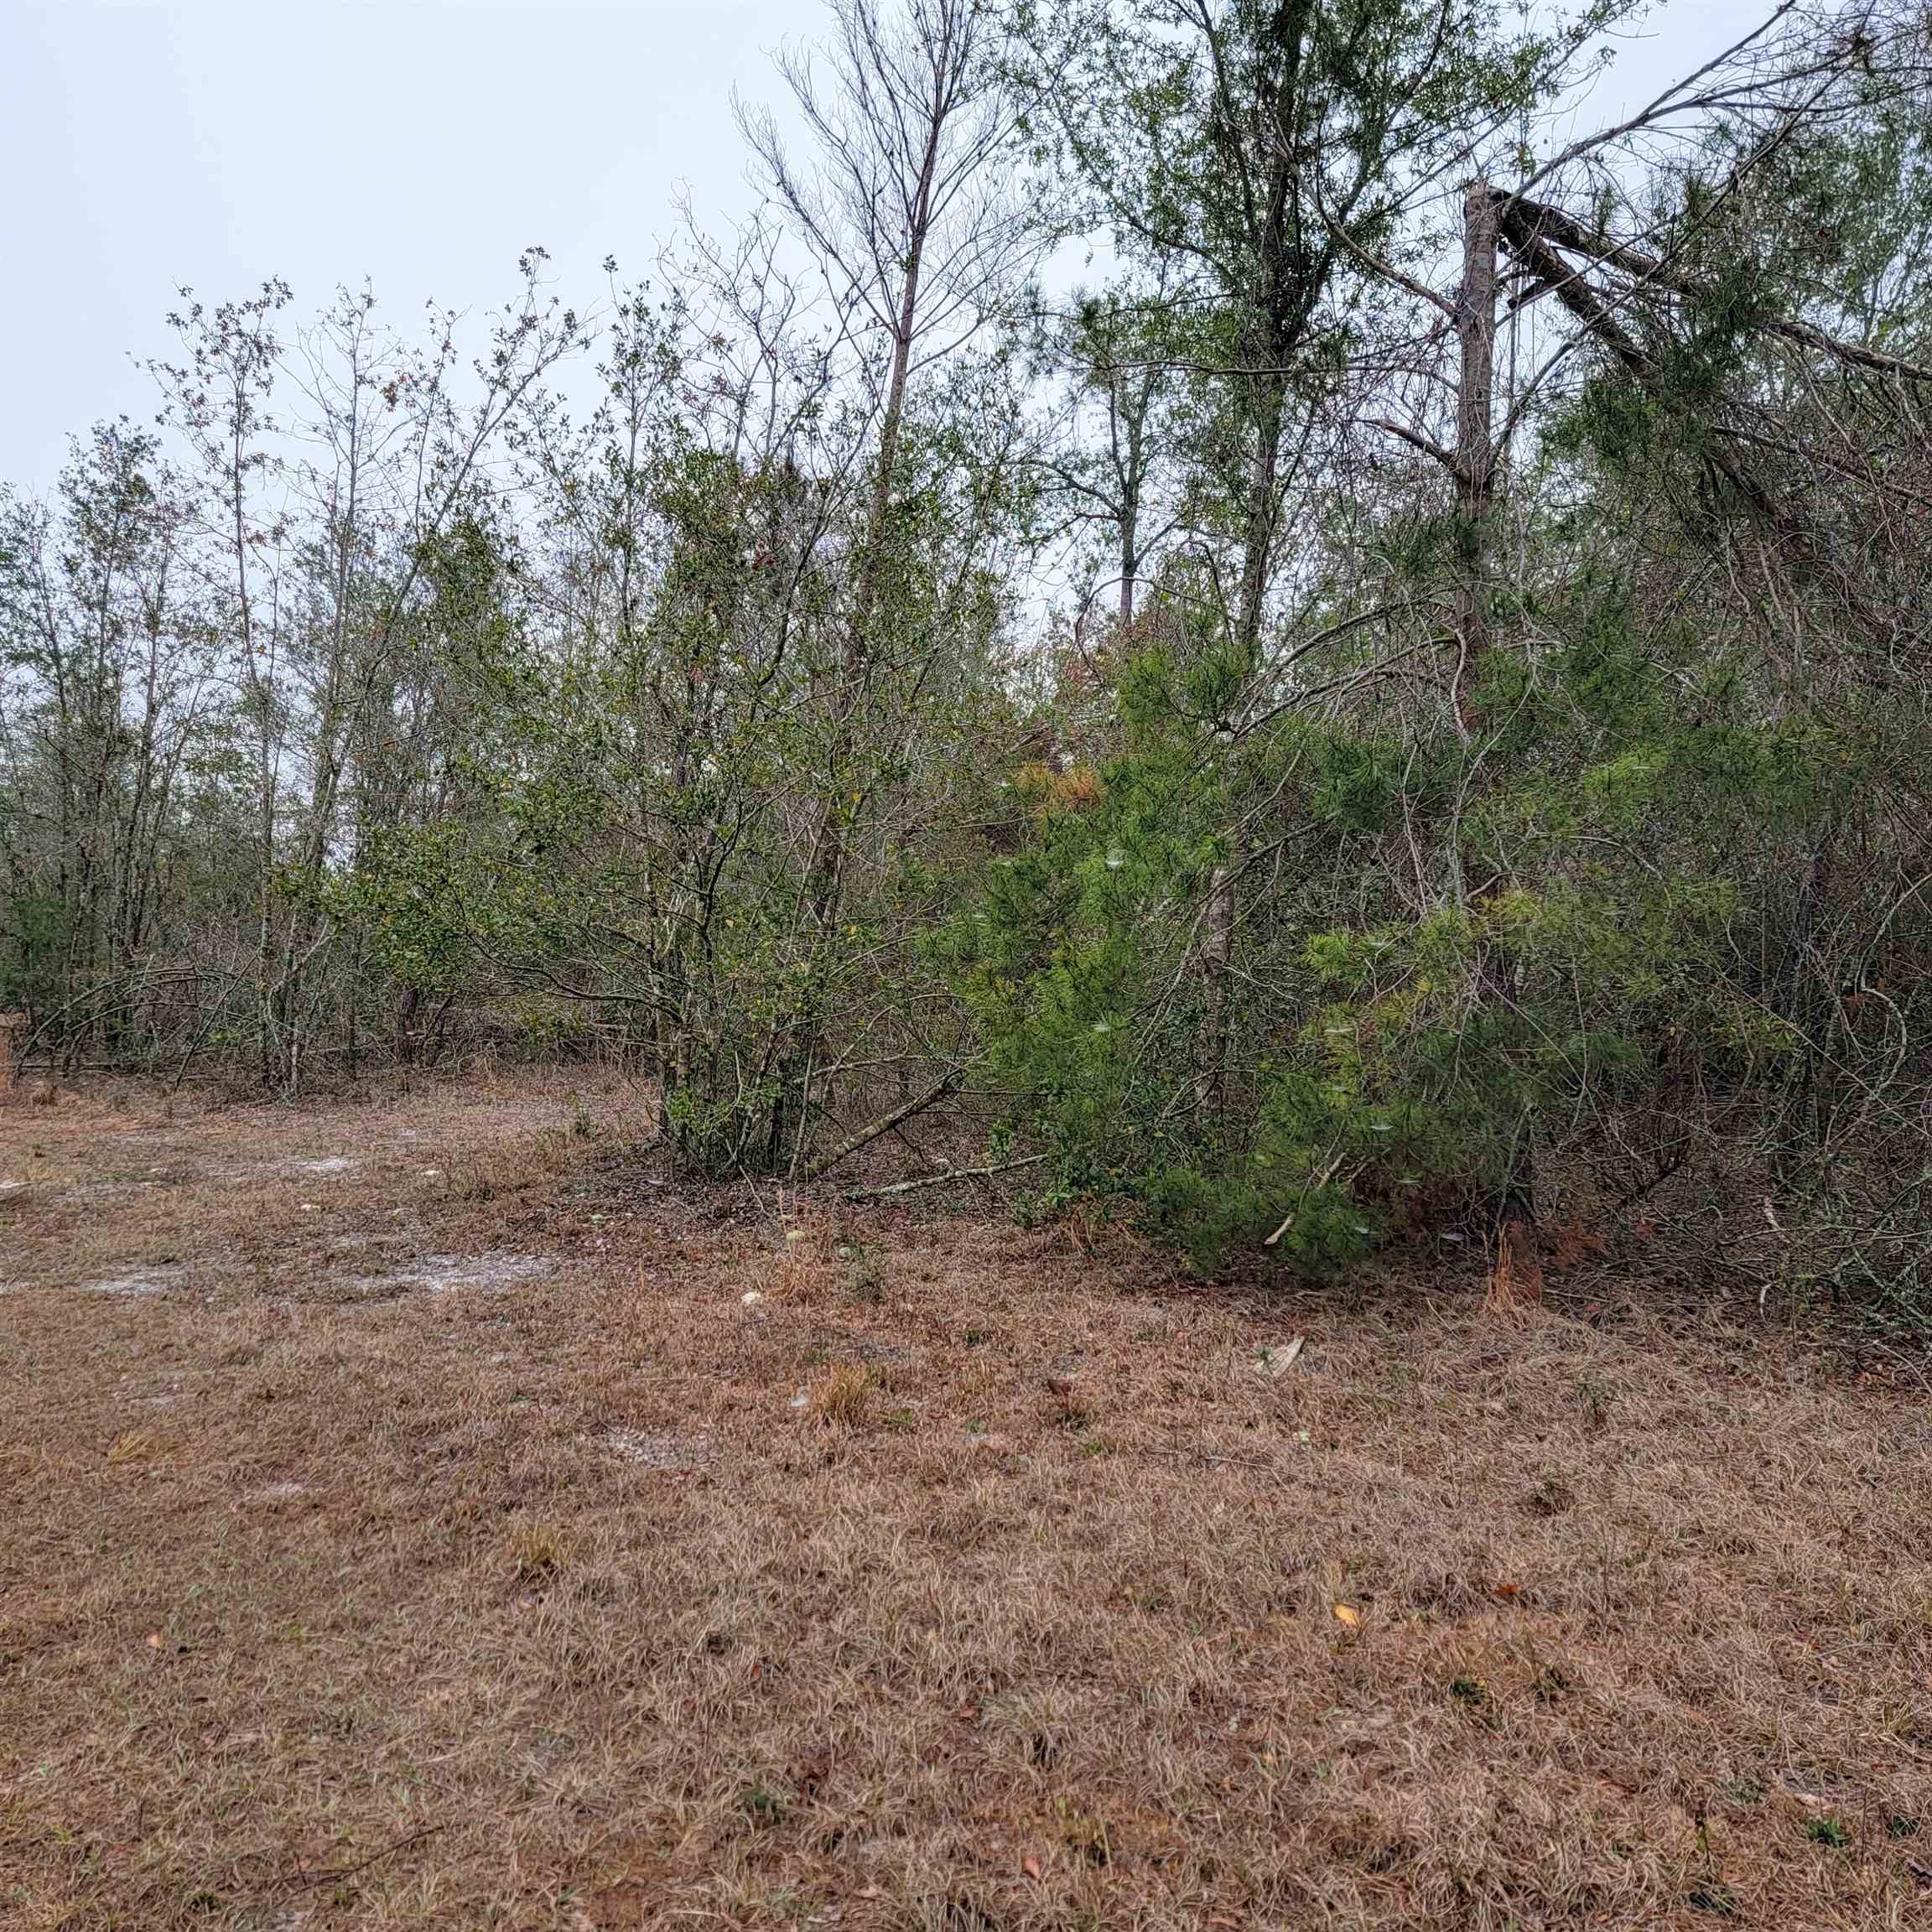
13, 1039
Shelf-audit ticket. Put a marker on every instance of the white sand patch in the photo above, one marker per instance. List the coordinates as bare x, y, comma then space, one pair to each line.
649, 1450
141, 1286
444, 1274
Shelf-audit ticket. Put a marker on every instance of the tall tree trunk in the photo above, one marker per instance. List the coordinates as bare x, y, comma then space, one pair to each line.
1279, 300
1475, 441
1130, 523
1516, 1269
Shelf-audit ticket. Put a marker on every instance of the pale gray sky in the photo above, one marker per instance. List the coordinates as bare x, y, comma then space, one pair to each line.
422, 143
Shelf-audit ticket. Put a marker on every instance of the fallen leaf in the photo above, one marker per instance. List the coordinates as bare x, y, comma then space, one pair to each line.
1509, 1589
1279, 1361
1348, 1614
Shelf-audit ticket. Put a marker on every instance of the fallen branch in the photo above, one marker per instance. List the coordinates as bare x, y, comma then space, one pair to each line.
934, 1180
884, 1124
1566, 231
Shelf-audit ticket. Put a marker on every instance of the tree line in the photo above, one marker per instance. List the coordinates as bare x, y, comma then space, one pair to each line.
1205, 586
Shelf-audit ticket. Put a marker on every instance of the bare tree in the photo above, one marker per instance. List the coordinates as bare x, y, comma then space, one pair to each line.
901, 205
903, 211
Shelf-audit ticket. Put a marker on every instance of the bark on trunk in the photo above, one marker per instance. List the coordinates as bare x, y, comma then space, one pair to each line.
1475, 446
1516, 1268
1281, 298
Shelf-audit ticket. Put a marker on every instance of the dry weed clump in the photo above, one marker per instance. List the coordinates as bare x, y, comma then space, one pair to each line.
531, 1604
540, 1553
845, 1395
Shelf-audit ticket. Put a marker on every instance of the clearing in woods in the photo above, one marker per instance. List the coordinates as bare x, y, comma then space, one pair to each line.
417, 1514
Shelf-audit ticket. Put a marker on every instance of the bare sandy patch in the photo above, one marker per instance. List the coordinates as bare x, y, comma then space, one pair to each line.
140, 1284
446, 1274
658, 1450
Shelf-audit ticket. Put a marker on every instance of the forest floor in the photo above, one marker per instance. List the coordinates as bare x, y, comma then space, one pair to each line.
415, 1513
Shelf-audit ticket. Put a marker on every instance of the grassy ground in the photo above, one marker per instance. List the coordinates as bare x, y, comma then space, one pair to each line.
409, 1517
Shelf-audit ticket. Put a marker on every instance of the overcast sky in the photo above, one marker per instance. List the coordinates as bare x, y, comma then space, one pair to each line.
421, 143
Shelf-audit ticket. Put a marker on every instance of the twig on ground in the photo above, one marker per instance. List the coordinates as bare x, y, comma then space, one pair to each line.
349, 1871
1214, 1456
933, 1179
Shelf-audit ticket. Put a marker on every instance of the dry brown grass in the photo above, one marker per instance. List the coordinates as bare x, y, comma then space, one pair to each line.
335, 1595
